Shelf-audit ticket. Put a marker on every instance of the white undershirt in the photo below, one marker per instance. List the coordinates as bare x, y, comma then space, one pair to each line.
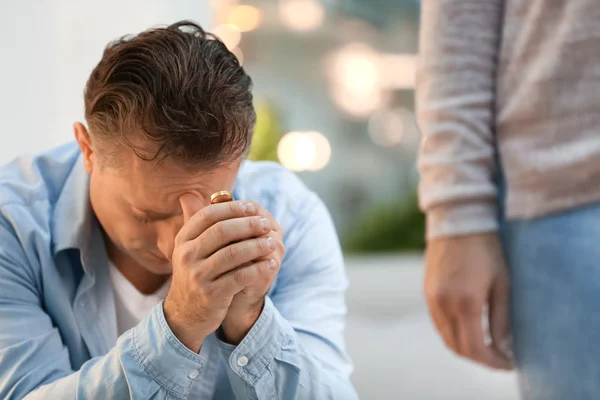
131, 305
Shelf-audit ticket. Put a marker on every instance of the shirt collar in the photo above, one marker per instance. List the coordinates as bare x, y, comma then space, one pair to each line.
74, 225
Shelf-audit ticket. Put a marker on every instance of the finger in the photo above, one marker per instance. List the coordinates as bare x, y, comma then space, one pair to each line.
236, 254
225, 232
280, 246
265, 213
438, 299
444, 327
236, 280
472, 341
190, 205
278, 254
499, 318
275, 266
210, 215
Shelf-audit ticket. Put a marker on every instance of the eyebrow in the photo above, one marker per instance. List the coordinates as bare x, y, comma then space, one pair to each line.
155, 214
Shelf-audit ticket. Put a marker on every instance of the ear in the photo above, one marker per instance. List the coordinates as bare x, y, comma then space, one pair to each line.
85, 144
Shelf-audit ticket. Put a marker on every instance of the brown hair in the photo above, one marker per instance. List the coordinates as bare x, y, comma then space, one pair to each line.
174, 92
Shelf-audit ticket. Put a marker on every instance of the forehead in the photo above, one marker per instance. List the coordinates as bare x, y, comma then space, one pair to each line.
157, 187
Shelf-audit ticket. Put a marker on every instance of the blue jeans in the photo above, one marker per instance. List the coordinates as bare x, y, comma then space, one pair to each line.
554, 265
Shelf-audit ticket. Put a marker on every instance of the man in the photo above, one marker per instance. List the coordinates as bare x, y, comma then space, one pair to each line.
93, 235
519, 80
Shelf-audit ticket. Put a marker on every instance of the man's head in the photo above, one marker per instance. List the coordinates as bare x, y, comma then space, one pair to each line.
169, 112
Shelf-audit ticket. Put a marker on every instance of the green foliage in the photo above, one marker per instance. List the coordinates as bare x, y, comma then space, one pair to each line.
267, 132
389, 228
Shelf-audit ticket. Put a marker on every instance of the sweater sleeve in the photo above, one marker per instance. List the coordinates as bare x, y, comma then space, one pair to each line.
456, 85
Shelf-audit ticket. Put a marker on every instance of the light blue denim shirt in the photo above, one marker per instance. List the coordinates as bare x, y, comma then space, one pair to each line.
58, 334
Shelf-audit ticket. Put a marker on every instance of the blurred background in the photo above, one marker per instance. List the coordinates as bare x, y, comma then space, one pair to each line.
334, 88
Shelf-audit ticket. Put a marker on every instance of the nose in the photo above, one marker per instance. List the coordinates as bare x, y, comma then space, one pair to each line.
166, 248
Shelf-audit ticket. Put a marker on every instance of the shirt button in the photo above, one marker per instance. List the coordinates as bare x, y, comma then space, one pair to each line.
242, 361
193, 374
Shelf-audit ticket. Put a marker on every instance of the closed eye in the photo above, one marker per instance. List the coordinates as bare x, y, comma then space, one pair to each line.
142, 218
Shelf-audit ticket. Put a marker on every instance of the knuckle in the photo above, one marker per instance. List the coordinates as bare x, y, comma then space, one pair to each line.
234, 208
204, 214
261, 269
261, 245
253, 224
219, 229
231, 253
210, 289
240, 275
437, 295
184, 255
259, 209
467, 303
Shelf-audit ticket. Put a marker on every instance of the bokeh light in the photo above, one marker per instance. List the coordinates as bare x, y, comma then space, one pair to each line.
217, 4
386, 127
356, 104
296, 151
355, 77
229, 34
245, 17
304, 151
301, 15
322, 150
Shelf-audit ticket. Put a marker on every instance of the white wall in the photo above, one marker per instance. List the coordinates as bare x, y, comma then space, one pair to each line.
47, 50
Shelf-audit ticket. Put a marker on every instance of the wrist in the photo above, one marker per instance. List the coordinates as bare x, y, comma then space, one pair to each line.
190, 336
237, 324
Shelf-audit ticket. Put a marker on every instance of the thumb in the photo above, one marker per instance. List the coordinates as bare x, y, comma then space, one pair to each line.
500, 317
190, 205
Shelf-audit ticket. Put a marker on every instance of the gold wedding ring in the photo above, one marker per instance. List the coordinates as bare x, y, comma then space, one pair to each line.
221, 197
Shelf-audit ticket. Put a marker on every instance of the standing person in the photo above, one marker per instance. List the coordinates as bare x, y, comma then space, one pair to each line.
508, 97
95, 234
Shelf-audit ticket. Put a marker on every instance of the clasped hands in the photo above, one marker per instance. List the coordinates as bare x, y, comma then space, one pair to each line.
225, 258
